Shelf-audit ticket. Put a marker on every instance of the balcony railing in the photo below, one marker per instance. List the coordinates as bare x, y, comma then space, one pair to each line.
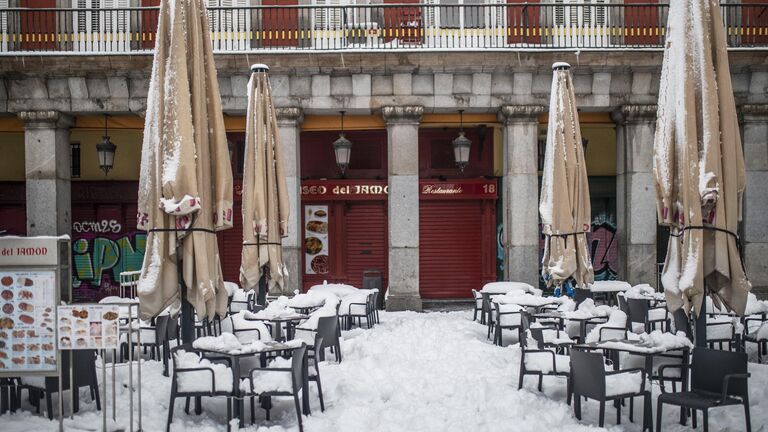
492, 26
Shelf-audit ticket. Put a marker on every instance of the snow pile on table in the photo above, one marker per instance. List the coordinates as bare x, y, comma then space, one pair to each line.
653, 342
277, 308
201, 381
339, 290
507, 287
309, 299
588, 309
226, 342
525, 299
617, 320
642, 291
609, 286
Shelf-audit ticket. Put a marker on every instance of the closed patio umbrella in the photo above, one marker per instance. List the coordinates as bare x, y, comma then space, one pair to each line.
698, 163
564, 207
265, 194
185, 187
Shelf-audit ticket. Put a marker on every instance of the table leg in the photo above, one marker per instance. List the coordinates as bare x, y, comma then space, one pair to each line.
683, 411
649, 374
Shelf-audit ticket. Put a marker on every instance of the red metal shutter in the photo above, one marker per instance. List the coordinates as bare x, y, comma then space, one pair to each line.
231, 246
450, 248
366, 240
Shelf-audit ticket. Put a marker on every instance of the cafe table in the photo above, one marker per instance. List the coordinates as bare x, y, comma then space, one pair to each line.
527, 300
646, 348
583, 320
290, 320
250, 351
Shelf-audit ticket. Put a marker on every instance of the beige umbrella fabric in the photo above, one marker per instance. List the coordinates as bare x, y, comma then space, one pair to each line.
265, 194
698, 162
186, 177
564, 207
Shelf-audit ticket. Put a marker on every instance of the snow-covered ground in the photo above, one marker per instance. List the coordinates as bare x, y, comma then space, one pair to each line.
413, 372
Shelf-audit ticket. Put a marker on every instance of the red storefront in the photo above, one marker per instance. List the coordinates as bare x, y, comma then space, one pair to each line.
344, 230
344, 220
457, 214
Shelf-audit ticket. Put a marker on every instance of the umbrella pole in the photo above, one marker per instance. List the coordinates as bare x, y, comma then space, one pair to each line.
701, 322
187, 312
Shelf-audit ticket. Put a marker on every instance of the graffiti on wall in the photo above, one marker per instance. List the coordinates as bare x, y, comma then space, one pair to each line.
603, 247
101, 250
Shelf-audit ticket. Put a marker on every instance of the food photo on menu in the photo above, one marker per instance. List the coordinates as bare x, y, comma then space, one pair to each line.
316, 239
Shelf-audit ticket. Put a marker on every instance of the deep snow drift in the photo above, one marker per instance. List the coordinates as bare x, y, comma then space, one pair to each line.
430, 372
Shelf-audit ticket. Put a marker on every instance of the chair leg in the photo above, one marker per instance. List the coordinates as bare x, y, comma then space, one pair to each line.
520, 383
95, 391
541, 382
648, 412
253, 410
170, 412
694, 418
320, 392
186, 406
49, 405
659, 406
631, 410
229, 414
298, 410
577, 406
618, 411
601, 418
747, 416
705, 419
568, 390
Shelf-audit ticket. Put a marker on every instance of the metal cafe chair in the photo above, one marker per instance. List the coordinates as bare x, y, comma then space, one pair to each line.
718, 378
478, 306
641, 312
202, 386
533, 358
509, 319
752, 335
294, 383
591, 380
84, 374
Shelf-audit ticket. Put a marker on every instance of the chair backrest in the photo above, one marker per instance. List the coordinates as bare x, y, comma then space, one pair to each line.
581, 295
297, 366
588, 374
172, 330
638, 310
327, 329
84, 368
709, 367
623, 306
537, 333
487, 305
682, 323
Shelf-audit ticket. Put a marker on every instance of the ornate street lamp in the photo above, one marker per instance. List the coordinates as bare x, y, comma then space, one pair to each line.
106, 150
461, 145
342, 148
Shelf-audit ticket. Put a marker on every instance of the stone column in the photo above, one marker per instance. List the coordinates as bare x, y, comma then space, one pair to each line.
403, 162
520, 132
635, 193
47, 165
289, 126
755, 216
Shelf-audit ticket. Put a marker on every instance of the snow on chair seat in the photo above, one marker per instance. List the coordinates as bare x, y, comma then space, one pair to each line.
273, 378
199, 375
543, 362
623, 383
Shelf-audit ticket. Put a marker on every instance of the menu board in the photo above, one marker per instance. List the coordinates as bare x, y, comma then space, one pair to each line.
316, 239
27, 337
87, 326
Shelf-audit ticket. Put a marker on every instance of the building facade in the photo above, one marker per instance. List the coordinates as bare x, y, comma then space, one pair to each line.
401, 74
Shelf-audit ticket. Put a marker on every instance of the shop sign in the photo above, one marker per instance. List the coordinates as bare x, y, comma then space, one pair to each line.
458, 189
344, 190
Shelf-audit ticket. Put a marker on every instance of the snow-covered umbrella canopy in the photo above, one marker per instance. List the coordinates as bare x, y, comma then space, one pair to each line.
698, 162
186, 177
564, 207
265, 194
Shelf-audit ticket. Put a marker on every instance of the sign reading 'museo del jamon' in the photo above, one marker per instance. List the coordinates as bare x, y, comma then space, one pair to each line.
378, 189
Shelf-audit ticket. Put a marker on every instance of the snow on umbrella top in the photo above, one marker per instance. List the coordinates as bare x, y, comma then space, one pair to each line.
186, 178
698, 162
564, 207
265, 194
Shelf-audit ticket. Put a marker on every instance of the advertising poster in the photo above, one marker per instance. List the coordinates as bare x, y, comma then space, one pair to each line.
88, 327
316, 239
27, 315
